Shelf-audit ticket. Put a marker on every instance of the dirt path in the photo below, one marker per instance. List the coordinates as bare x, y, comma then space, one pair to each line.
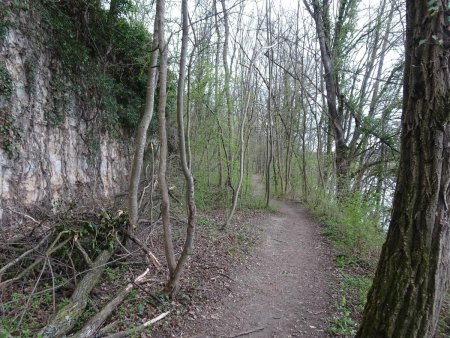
283, 291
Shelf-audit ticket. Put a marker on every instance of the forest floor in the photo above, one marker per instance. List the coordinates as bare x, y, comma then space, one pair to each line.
270, 274
284, 289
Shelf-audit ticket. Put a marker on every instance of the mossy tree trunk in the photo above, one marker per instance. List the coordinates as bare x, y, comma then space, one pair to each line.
413, 272
66, 318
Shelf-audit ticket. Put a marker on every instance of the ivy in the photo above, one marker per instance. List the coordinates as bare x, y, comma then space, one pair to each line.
9, 133
6, 83
104, 56
57, 110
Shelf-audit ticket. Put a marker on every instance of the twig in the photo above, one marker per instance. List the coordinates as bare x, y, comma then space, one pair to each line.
84, 253
22, 256
24, 215
120, 243
171, 194
53, 283
4, 333
31, 294
222, 274
139, 328
247, 332
277, 240
153, 258
36, 262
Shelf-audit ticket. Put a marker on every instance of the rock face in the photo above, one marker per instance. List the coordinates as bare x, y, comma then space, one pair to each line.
52, 145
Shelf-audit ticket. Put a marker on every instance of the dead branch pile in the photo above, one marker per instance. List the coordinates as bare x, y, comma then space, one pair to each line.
58, 260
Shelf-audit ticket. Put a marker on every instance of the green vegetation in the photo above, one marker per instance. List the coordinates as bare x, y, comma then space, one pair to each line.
6, 83
10, 134
209, 195
343, 325
444, 322
27, 309
103, 57
353, 226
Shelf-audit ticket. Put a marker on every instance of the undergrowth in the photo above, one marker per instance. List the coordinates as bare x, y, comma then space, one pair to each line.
211, 196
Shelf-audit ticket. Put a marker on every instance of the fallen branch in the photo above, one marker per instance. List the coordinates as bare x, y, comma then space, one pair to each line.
144, 248
84, 253
51, 250
93, 325
66, 318
133, 331
247, 332
22, 256
106, 329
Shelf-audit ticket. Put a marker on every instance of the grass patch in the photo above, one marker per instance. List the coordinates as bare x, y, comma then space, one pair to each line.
255, 203
351, 224
343, 324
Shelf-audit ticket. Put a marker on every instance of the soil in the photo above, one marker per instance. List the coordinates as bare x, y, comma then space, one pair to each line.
283, 289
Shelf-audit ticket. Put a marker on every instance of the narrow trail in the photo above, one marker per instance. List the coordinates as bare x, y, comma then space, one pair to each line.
284, 290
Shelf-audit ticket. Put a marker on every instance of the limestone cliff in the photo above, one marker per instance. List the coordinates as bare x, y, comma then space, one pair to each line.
52, 143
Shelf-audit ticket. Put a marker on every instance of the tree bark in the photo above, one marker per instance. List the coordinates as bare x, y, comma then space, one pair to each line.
413, 271
165, 202
91, 328
141, 135
320, 14
66, 318
173, 283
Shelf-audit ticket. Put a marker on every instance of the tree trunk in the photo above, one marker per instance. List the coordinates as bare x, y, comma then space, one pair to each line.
413, 272
173, 283
249, 79
165, 203
320, 14
141, 136
227, 92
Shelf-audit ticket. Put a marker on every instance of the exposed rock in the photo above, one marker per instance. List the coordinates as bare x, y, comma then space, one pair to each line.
54, 147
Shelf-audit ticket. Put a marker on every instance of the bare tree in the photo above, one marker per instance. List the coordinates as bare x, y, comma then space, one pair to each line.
141, 135
173, 283
163, 152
